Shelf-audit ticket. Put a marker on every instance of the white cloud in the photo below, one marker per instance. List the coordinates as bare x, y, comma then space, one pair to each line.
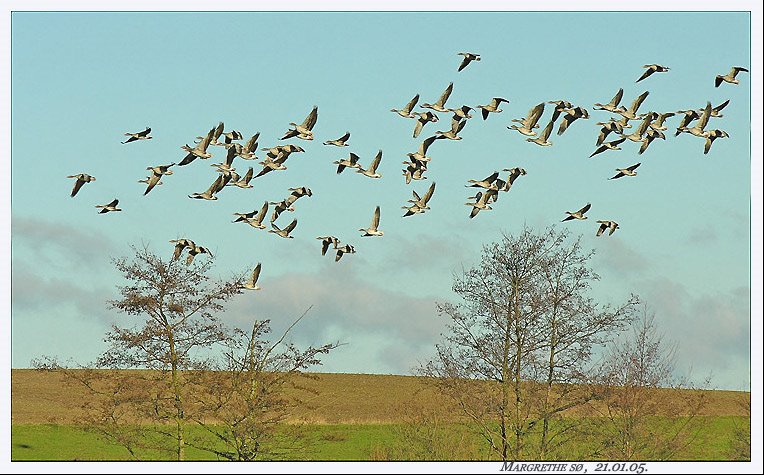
57, 242
614, 255
704, 235
713, 331
386, 331
37, 292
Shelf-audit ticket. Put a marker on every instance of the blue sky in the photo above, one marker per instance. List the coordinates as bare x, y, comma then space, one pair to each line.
80, 80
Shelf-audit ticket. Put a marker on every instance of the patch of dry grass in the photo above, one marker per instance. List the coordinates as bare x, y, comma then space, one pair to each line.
40, 397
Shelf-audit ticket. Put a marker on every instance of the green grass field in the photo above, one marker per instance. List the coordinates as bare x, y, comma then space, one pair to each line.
352, 417
58, 442
328, 442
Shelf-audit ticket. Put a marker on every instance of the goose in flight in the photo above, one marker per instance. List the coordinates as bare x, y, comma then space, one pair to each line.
422, 202
298, 193
82, 178
109, 207
485, 183
493, 192
631, 112
543, 139
406, 111
730, 76
514, 173
346, 249
247, 152
468, 58
414, 172
228, 176
608, 127
623, 122
280, 207
351, 162
243, 182
181, 244
712, 135
255, 218
233, 177
612, 145
715, 111
161, 169
652, 68
275, 158
371, 172
142, 135
270, 165
216, 186
461, 113
199, 151
612, 225
373, 230
326, 241
492, 195
492, 106
481, 203
648, 139
419, 203
238, 150
421, 154
440, 104
251, 284
456, 127
611, 106
659, 119
303, 131
698, 130
559, 107
529, 123
216, 133
570, 116
230, 137
283, 232
421, 120
628, 171
228, 164
340, 142
151, 182
412, 210
287, 149
192, 252
280, 153
286, 204
417, 163
147, 181
577, 214
637, 135
689, 116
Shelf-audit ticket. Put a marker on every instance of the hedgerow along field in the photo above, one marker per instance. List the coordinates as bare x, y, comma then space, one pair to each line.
344, 417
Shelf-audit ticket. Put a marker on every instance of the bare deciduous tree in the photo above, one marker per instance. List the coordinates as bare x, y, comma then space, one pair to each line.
177, 365
246, 400
649, 412
178, 304
740, 446
520, 340
426, 435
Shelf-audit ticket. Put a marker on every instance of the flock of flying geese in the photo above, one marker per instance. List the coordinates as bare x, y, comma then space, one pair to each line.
651, 127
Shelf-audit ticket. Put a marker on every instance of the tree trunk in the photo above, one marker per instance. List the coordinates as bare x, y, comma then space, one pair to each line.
178, 396
548, 392
517, 370
505, 376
